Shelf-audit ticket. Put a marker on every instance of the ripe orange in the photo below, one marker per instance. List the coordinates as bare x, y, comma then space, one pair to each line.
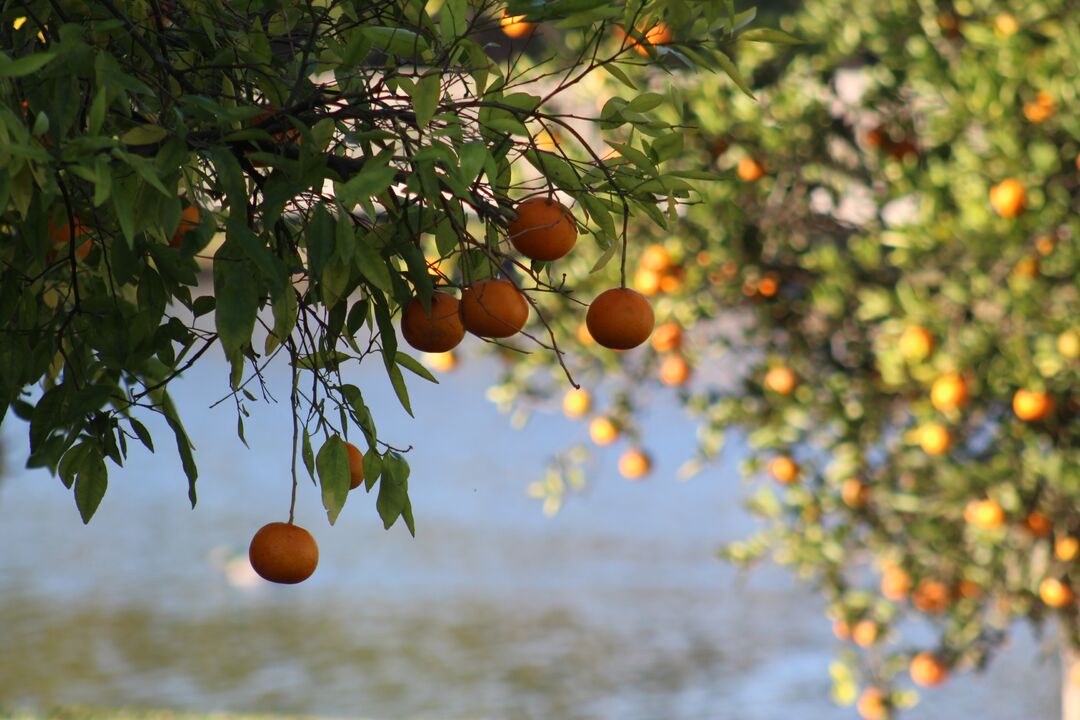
781, 380
931, 597
1045, 245
1038, 524
784, 470
1008, 198
283, 553
437, 332
603, 431
769, 284
986, 514
872, 704
969, 589
1066, 548
876, 137
934, 439
441, 362
948, 393
1026, 268
750, 170
842, 630
674, 371
356, 466
544, 229
865, 633
855, 493
1032, 405
1055, 593
190, 218
515, 26
658, 34
928, 670
620, 318
288, 136
576, 403
656, 258
671, 281
62, 234
634, 464
916, 343
667, 337
895, 583
493, 309
647, 282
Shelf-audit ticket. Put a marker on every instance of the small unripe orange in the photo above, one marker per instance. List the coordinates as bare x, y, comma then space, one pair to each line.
916, 343
934, 439
576, 402
986, 514
656, 258
750, 170
895, 583
675, 371
855, 493
603, 431
872, 704
865, 633
1066, 548
667, 337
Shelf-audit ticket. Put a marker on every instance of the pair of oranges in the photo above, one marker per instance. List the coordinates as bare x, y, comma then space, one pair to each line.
287, 554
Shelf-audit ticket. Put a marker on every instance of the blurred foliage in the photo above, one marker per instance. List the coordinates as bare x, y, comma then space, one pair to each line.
333, 161
895, 229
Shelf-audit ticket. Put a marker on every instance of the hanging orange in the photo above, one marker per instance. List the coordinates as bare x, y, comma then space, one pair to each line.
620, 318
544, 229
435, 332
283, 553
493, 309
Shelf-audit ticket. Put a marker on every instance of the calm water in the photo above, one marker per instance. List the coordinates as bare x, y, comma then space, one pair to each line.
616, 608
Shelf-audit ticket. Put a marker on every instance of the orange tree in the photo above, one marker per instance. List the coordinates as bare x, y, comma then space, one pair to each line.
893, 250
342, 166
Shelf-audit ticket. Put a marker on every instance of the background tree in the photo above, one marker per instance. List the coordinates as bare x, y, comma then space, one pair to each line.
339, 164
893, 251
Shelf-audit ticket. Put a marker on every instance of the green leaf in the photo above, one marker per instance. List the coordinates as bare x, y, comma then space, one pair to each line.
72, 463
142, 433
183, 444
23, 66
371, 264
646, 102
396, 41
333, 464
144, 135
413, 365
237, 298
91, 480
285, 310
768, 35
393, 501
733, 72
307, 455
425, 98
400, 389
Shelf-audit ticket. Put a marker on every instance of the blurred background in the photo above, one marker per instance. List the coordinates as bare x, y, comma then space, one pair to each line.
615, 608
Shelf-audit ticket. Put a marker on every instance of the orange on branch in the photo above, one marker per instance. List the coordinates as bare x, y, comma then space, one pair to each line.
658, 34
190, 218
986, 514
1032, 405
515, 26
855, 493
576, 403
948, 393
931, 597
634, 464
1068, 344
750, 170
283, 553
543, 230
934, 439
603, 431
647, 282
873, 704
928, 670
1008, 198
1055, 593
784, 470
493, 309
781, 380
674, 371
895, 583
356, 466
842, 630
865, 633
667, 337
1066, 548
916, 343
620, 319
436, 332
656, 258
63, 234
